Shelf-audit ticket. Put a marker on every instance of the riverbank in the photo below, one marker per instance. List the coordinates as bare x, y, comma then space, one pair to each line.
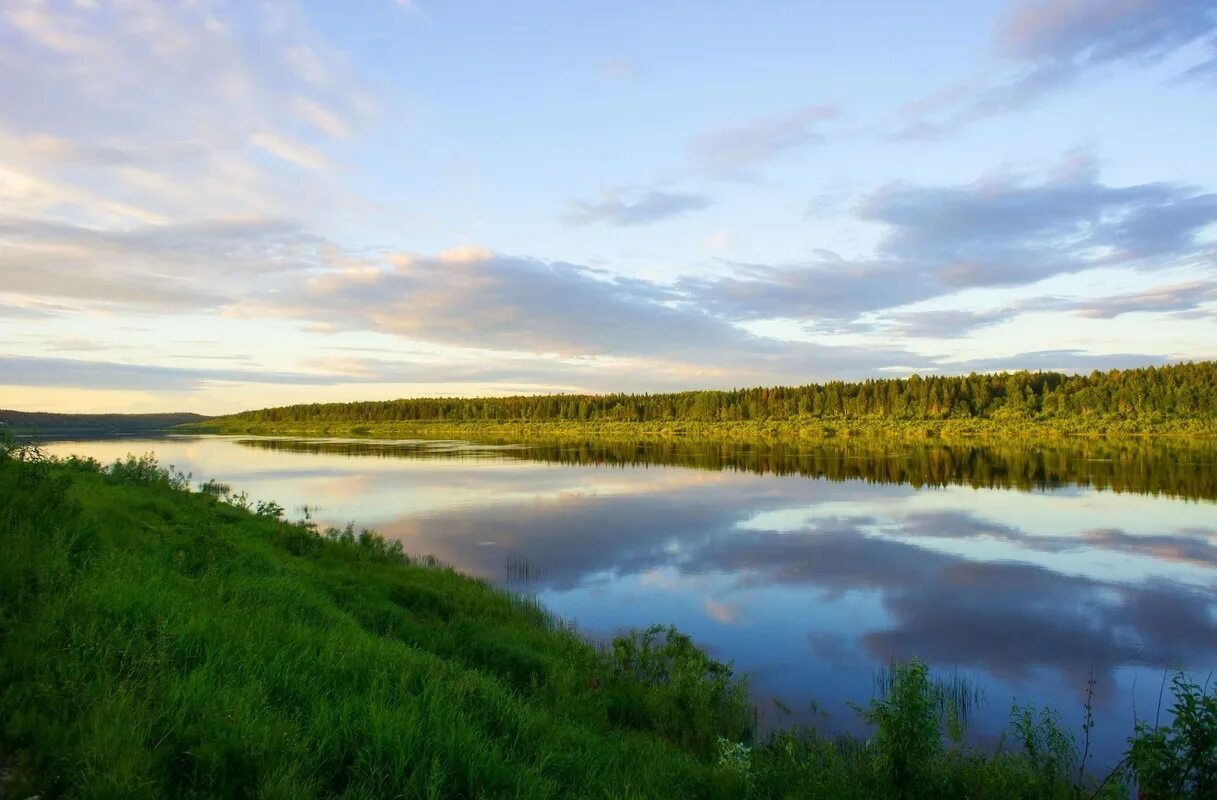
808, 430
166, 642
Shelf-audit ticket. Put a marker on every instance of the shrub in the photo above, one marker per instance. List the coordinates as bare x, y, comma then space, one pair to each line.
1180, 760
1049, 750
907, 739
146, 470
697, 700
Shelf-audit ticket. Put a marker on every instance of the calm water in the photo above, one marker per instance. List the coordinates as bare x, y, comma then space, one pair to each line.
1020, 568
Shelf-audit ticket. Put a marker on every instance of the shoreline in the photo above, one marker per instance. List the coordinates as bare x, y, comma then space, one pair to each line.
817, 430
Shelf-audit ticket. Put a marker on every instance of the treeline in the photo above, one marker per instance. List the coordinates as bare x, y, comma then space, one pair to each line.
42, 422
1179, 391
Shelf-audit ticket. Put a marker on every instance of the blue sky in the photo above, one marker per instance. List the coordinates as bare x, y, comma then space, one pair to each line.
213, 206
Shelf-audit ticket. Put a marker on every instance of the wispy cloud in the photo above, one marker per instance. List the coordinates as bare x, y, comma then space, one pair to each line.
1004, 230
530, 306
945, 113
1177, 299
1047, 45
291, 150
629, 208
736, 148
146, 111
200, 265
82, 374
1093, 31
944, 324
1065, 360
1186, 300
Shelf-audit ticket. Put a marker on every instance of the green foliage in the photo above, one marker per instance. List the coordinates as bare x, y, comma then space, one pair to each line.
269, 508
675, 688
1178, 760
907, 736
1050, 751
215, 489
145, 470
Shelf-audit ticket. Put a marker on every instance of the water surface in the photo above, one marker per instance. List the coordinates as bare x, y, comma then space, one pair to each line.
1025, 568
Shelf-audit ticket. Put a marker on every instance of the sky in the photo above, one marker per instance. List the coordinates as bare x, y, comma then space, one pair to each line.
211, 206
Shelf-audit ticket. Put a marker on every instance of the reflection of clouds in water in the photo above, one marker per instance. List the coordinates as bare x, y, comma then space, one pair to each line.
571, 539
1190, 547
1013, 619
947, 523
725, 613
669, 580
1010, 619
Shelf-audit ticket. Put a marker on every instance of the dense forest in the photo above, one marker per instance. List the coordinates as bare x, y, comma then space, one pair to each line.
46, 423
1181, 390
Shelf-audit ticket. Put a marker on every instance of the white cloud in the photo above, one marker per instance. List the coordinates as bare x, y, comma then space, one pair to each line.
322, 118
290, 150
738, 147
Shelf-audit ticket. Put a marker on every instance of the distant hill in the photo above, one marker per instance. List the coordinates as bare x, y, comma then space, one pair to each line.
47, 424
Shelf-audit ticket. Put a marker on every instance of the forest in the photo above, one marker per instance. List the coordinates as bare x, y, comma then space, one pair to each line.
48, 424
1181, 391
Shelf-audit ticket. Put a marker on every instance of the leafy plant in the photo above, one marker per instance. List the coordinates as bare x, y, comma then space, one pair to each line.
1049, 749
907, 740
694, 699
1179, 760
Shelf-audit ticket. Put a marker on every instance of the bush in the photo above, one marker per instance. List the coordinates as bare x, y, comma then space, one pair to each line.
698, 700
907, 737
1180, 760
146, 470
1050, 751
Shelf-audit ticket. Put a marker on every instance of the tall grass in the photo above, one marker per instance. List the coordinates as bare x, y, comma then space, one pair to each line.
162, 642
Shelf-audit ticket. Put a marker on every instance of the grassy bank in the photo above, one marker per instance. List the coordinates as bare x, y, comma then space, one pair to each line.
162, 642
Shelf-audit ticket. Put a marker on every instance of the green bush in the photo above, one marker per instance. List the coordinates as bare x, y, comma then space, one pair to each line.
1179, 760
664, 682
908, 742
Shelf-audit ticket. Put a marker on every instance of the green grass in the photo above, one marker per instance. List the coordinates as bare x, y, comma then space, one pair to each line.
159, 642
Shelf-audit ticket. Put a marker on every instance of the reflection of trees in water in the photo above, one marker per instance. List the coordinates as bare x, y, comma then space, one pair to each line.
1024, 624
1175, 468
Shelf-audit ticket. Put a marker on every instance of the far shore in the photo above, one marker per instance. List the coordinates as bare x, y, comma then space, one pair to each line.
814, 429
